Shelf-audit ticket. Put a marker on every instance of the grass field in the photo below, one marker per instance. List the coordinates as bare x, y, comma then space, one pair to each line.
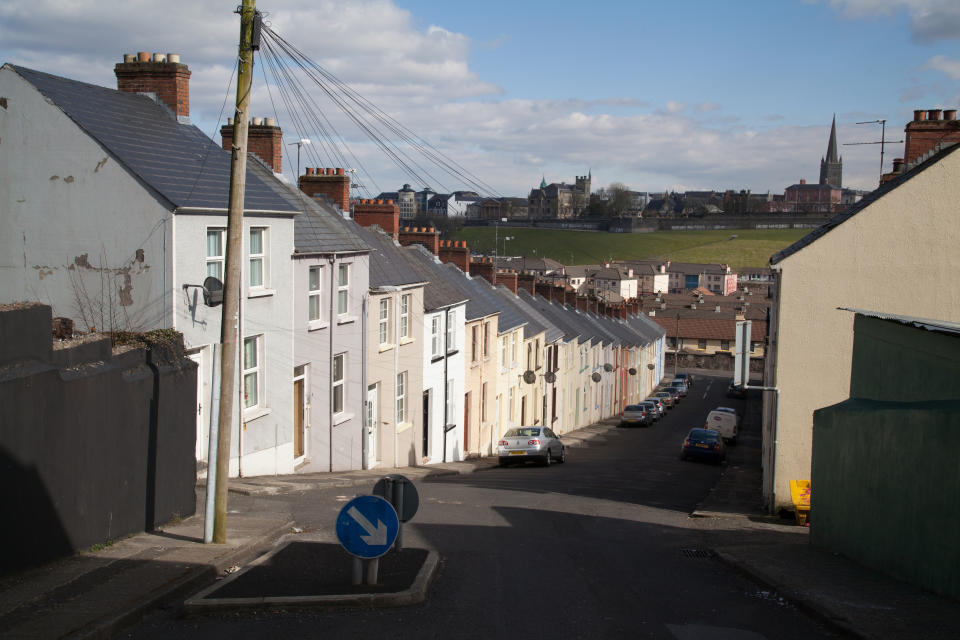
750, 247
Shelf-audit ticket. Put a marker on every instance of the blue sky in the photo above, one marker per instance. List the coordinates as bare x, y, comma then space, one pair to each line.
656, 95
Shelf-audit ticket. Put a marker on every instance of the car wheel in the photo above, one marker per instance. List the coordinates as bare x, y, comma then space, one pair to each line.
563, 455
548, 459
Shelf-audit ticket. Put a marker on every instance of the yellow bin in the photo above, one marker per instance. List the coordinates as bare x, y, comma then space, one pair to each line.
800, 494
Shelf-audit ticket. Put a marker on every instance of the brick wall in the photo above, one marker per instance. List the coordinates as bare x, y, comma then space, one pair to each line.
382, 213
426, 236
332, 183
927, 130
456, 252
169, 80
264, 139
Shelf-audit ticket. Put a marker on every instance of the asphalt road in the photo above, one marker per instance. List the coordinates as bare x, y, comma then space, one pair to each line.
602, 546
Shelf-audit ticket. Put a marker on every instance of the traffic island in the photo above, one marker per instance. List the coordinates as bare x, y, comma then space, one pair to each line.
303, 573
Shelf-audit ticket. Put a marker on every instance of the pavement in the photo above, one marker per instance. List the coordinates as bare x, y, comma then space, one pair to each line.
96, 594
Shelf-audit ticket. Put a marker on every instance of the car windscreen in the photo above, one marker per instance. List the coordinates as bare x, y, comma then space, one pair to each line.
634, 407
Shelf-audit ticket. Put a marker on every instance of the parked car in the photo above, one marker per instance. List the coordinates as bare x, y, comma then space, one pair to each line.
659, 404
653, 409
681, 386
665, 397
685, 376
635, 415
675, 391
705, 444
736, 390
523, 444
729, 410
725, 423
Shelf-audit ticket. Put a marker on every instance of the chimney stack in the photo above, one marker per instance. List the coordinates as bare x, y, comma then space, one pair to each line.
161, 75
264, 139
335, 185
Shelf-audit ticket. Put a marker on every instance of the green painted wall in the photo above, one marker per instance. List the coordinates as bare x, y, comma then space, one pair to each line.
886, 463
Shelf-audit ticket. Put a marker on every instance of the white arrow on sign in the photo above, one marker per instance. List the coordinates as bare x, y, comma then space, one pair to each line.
377, 535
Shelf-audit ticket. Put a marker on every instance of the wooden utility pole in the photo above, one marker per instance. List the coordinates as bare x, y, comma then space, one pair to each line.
230, 320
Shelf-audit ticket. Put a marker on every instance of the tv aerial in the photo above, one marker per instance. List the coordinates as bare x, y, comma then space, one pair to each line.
882, 141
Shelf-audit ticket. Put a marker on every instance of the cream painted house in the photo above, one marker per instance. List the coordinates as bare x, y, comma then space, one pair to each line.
897, 251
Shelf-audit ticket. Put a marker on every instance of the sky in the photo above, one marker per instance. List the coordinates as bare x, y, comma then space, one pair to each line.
654, 95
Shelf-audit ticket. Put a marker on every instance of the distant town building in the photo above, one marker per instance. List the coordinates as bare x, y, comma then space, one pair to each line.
831, 167
559, 199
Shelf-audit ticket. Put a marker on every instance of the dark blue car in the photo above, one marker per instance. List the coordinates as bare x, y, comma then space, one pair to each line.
705, 444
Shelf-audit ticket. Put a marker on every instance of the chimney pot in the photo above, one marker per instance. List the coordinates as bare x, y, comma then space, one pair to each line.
173, 58
328, 171
933, 114
230, 121
257, 122
270, 122
339, 172
919, 115
949, 114
389, 201
309, 171
129, 57
159, 57
143, 56
803, 181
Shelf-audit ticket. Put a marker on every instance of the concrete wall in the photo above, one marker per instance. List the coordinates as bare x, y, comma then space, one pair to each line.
885, 479
92, 451
910, 236
101, 260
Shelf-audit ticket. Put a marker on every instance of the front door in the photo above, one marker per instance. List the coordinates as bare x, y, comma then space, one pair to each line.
203, 429
426, 424
298, 448
373, 426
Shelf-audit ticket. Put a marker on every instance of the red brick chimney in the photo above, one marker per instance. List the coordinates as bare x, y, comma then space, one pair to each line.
159, 74
508, 278
482, 267
264, 138
332, 183
383, 213
427, 236
456, 252
582, 303
928, 130
527, 281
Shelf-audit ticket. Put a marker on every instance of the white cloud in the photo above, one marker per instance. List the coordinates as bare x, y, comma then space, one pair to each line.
930, 20
945, 65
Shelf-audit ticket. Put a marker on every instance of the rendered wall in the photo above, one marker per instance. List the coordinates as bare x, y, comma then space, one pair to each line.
885, 483
91, 448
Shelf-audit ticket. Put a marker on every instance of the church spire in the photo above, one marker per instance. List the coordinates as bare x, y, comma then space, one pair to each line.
832, 143
543, 182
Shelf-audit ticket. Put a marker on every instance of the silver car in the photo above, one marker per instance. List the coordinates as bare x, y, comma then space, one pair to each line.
524, 444
659, 404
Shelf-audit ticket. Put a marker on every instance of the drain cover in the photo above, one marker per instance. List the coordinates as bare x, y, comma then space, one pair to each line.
697, 553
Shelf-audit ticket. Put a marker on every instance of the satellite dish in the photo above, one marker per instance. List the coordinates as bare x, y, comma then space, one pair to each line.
608, 367
529, 376
595, 376
212, 292
651, 366
550, 377
632, 371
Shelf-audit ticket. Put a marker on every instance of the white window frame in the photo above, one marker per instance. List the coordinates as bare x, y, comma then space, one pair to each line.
503, 352
451, 331
405, 316
216, 260
383, 322
436, 346
252, 372
401, 393
338, 385
259, 264
343, 289
510, 402
449, 406
314, 288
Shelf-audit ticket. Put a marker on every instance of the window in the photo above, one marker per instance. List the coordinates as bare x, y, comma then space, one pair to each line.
316, 275
538, 355
343, 289
435, 344
405, 316
513, 349
486, 339
451, 332
510, 403
384, 321
529, 356
215, 243
448, 408
702, 344
672, 343
338, 377
401, 397
725, 345
503, 352
251, 372
475, 334
258, 260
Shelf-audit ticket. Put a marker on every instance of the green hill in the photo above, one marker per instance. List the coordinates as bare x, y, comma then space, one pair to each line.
737, 248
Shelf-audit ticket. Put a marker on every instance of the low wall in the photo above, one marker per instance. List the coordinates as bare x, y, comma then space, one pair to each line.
95, 443
651, 225
709, 362
885, 479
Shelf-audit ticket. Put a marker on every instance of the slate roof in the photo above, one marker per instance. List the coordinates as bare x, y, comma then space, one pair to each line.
558, 316
180, 165
440, 293
481, 291
477, 307
646, 327
710, 328
853, 210
536, 321
388, 266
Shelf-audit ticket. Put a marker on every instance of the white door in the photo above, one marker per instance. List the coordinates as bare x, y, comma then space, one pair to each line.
373, 426
203, 431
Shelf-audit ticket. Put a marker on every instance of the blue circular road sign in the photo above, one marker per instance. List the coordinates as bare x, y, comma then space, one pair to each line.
367, 526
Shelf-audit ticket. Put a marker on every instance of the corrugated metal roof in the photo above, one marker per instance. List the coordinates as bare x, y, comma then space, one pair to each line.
938, 326
177, 162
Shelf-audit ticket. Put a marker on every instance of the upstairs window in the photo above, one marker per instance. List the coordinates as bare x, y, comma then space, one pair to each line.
384, 321
343, 289
258, 258
435, 337
405, 316
215, 243
313, 292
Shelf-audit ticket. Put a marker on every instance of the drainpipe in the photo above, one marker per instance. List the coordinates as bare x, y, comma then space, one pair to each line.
332, 323
365, 390
446, 381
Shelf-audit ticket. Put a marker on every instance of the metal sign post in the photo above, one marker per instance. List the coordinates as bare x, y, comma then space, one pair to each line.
402, 494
